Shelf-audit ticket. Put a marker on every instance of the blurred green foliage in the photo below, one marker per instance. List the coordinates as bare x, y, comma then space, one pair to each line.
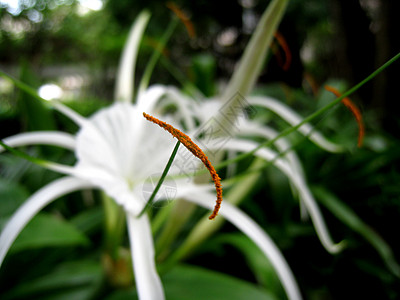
58, 255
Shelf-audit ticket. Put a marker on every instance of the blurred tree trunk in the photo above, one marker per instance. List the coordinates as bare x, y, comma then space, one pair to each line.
354, 44
386, 94
364, 43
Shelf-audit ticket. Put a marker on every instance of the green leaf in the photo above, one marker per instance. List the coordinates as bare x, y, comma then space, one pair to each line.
89, 220
12, 195
123, 295
48, 231
250, 64
35, 113
204, 69
261, 267
71, 280
195, 283
126, 75
350, 218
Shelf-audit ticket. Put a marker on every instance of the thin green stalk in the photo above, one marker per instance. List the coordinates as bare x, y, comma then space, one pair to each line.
161, 180
37, 161
186, 84
144, 82
310, 117
345, 214
114, 225
23, 86
202, 230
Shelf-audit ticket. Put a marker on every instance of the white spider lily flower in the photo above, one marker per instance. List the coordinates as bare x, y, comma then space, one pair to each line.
117, 150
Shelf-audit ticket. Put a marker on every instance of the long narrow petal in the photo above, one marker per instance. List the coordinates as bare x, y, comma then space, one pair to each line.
64, 169
299, 183
183, 104
257, 235
293, 119
148, 282
33, 205
53, 138
252, 60
282, 145
126, 70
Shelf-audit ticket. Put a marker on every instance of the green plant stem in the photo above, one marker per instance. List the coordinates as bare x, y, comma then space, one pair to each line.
203, 229
346, 215
310, 117
114, 216
37, 161
161, 180
144, 82
23, 86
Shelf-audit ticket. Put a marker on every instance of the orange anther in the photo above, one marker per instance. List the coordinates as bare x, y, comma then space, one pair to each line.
354, 109
183, 17
192, 147
288, 55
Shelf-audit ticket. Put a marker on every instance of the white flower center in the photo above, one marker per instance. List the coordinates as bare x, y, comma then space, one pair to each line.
118, 150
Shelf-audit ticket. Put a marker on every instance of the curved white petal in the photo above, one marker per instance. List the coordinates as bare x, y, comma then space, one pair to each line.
257, 235
148, 282
148, 99
33, 205
50, 138
282, 144
118, 148
184, 105
298, 182
59, 168
293, 119
251, 62
53, 138
126, 69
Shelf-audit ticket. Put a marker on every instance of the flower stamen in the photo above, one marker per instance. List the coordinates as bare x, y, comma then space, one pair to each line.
285, 47
196, 151
354, 109
183, 17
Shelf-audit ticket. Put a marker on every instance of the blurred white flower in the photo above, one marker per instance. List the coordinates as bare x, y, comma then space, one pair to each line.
117, 151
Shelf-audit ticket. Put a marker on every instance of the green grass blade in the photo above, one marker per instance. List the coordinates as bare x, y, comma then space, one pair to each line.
310, 117
156, 55
23, 86
161, 180
350, 218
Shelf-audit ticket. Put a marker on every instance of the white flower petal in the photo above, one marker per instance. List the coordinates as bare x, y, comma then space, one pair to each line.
33, 205
148, 282
257, 235
282, 144
53, 138
148, 100
126, 69
293, 119
184, 105
119, 148
50, 138
251, 62
299, 183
